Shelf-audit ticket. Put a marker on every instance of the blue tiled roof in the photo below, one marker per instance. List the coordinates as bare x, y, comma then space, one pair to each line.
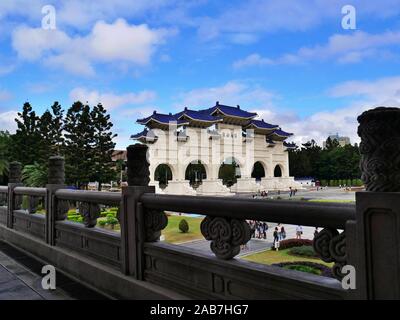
162, 118
145, 133
262, 125
282, 133
270, 141
139, 135
198, 115
231, 111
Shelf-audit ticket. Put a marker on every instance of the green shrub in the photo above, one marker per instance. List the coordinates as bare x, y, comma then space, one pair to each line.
183, 226
111, 220
102, 223
299, 267
304, 251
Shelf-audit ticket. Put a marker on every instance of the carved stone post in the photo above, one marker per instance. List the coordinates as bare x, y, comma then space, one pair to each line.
55, 210
378, 209
131, 215
14, 201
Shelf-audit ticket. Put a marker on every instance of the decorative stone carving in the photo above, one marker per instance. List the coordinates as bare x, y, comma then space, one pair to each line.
154, 221
330, 245
138, 165
226, 235
62, 210
56, 172
90, 212
379, 131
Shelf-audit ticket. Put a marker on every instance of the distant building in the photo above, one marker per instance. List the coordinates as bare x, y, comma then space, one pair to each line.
343, 141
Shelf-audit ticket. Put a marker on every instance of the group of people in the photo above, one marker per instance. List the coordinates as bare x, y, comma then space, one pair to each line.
262, 194
258, 229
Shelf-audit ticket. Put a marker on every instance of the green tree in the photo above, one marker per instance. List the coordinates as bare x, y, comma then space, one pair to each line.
51, 125
5, 144
79, 145
34, 175
103, 145
27, 140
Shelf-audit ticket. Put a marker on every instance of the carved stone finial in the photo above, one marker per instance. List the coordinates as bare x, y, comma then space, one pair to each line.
155, 221
226, 235
379, 131
138, 166
15, 175
56, 170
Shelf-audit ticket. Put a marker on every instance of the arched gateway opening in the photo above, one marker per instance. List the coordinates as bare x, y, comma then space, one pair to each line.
229, 172
195, 173
258, 171
277, 171
163, 174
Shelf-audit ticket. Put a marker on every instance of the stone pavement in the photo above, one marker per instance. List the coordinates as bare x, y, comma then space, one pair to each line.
20, 279
254, 245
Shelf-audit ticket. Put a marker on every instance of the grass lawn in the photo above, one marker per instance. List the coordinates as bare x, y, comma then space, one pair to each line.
174, 235
270, 257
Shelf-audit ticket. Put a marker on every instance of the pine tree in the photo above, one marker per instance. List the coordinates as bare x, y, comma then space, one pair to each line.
103, 146
79, 145
27, 139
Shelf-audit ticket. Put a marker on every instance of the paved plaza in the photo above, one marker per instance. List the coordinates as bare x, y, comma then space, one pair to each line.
254, 245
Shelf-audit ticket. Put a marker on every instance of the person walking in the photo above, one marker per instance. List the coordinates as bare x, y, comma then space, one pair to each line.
276, 239
299, 232
283, 233
316, 232
279, 226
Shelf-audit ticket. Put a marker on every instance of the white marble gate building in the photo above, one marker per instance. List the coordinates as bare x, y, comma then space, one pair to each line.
192, 147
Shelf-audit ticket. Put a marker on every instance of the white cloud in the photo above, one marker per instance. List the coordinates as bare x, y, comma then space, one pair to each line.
230, 93
342, 48
366, 95
379, 91
269, 16
106, 43
7, 121
111, 100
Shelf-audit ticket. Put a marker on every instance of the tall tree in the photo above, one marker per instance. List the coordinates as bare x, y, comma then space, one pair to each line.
103, 145
79, 145
27, 139
51, 132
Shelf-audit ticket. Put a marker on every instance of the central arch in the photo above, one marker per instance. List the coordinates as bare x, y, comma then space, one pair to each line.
258, 171
229, 171
163, 174
195, 172
278, 171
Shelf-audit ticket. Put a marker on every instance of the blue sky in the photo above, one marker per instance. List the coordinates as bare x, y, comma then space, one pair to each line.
290, 61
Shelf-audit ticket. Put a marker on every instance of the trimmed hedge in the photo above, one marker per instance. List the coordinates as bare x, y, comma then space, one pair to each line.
290, 243
304, 251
